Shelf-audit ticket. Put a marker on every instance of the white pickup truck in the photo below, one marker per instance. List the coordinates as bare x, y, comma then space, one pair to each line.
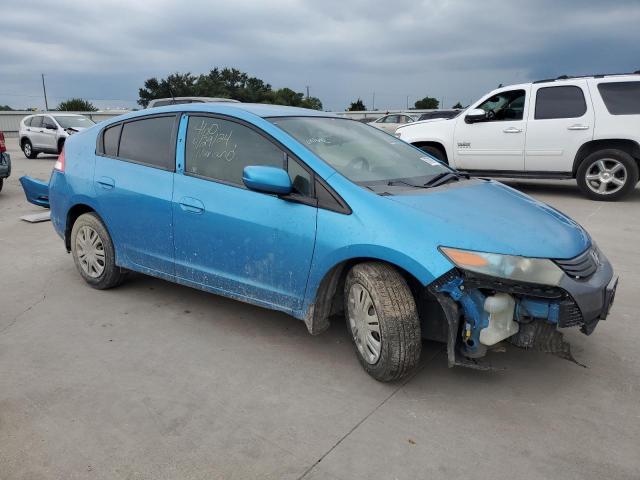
587, 128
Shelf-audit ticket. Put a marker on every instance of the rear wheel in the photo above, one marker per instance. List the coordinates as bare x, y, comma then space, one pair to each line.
434, 152
93, 253
27, 149
607, 175
383, 320
1, 183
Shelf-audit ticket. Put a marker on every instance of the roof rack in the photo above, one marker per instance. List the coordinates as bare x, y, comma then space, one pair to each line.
596, 75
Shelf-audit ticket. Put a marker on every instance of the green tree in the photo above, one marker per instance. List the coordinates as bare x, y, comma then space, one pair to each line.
5, 108
427, 103
224, 83
313, 103
458, 105
357, 106
76, 105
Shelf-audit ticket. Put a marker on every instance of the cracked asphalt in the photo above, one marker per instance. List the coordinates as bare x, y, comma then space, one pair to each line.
157, 381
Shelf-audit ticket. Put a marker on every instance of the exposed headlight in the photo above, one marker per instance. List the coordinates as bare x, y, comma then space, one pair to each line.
511, 267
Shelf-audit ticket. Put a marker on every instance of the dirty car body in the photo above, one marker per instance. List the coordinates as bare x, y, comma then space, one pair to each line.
311, 214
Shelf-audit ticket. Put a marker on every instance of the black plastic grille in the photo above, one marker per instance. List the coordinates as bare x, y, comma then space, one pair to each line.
582, 266
570, 314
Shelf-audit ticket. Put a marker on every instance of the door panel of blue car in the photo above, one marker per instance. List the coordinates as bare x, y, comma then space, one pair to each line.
134, 191
228, 238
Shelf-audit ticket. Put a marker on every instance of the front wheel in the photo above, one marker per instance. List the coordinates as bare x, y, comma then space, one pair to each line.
607, 175
27, 149
382, 319
93, 253
434, 152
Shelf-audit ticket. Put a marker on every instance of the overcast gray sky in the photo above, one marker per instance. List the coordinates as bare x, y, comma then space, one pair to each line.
342, 49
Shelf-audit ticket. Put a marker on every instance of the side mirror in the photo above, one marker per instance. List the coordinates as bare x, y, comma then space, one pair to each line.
267, 179
50, 126
475, 115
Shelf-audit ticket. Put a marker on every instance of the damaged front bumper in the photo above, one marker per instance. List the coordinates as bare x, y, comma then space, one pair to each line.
481, 311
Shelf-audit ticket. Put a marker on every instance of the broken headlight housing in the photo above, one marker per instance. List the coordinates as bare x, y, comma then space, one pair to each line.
521, 269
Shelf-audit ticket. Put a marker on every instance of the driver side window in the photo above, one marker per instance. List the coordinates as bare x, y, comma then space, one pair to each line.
507, 105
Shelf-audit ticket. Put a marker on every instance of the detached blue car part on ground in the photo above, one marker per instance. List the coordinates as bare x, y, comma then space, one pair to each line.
316, 215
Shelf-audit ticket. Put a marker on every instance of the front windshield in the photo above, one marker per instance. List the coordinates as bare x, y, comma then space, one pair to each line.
360, 152
73, 121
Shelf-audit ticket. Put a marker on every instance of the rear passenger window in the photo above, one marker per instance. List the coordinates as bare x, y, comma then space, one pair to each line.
36, 122
220, 149
111, 138
149, 141
621, 98
560, 102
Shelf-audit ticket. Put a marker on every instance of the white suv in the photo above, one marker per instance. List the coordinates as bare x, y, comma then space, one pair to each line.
46, 133
587, 128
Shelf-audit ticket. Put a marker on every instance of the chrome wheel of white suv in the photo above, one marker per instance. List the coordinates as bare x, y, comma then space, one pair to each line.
606, 176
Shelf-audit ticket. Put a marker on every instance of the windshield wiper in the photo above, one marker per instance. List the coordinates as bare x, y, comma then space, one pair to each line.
443, 178
392, 183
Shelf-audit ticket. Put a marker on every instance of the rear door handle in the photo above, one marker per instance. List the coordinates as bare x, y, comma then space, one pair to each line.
512, 130
577, 126
191, 205
106, 182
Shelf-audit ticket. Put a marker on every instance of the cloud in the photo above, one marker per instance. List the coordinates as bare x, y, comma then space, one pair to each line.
456, 50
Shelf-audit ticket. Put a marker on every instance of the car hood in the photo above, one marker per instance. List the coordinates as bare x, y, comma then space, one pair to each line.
488, 216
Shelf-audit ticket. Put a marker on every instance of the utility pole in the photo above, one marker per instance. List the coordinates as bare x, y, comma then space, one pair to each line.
373, 107
307, 92
44, 89
407, 102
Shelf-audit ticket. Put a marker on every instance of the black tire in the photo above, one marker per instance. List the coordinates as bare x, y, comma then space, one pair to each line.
112, 275
610, 156
434, 152
1, 183
27, 149
397, 315
60, 145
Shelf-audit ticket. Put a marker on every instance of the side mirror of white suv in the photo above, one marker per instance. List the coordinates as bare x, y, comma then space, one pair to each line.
475, 115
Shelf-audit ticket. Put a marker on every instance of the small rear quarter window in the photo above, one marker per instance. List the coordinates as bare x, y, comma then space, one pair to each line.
111, 139
621, 98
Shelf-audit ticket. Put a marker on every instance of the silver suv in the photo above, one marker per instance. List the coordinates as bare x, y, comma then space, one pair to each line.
46, 133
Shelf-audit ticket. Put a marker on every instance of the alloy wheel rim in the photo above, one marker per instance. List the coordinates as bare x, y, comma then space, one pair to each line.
27, 149
90, 252
364, 323
606, 176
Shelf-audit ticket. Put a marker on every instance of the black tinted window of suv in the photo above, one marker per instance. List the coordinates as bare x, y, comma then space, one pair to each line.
621, 98
111, 138
560, 102
149, 141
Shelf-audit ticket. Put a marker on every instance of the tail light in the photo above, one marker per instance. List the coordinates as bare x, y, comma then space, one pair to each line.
3, 146
59, 165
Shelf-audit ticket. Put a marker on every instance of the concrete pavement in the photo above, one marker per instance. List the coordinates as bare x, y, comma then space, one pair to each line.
157, 381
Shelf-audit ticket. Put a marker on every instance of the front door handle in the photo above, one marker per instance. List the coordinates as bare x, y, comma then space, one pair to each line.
578, 126
191, 205
106, 182
512, 130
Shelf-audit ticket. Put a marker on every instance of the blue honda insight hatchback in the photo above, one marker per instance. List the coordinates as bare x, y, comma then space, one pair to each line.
320, 216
